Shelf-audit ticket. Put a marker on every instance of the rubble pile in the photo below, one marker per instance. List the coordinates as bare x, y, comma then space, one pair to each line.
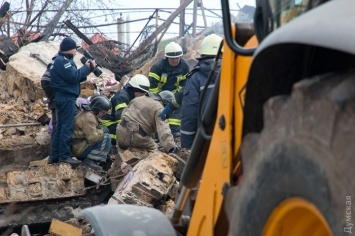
151, 180
43, 182
22, 101
136, 177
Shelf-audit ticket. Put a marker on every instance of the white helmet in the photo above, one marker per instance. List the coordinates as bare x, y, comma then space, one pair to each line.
140, 82
173, 50
210, 45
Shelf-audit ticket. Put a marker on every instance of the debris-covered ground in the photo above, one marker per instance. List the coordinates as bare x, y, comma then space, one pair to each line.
33, 192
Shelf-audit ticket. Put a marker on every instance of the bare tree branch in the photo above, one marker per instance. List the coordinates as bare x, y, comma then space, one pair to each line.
53, 23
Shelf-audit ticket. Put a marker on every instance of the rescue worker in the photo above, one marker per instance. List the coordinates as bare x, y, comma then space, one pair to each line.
169, 73
90, 142
196, 82
45, 84
137, 86
139, 121
65, 81
78, 105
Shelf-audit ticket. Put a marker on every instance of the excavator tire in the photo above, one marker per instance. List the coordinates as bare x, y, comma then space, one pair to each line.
304, 154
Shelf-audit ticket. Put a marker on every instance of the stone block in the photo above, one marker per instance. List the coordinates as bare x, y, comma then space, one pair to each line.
64, 172
35, 190
50, 172
63, 187
18, 194
51, 190
33, 176
3, 194
15, 178
78, 186
3, 178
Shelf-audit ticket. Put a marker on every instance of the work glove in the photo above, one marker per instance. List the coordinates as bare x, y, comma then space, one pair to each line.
165, 112
175, 149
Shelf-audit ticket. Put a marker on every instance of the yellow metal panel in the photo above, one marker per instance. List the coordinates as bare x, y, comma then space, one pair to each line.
218, 165
242, 66
217, 168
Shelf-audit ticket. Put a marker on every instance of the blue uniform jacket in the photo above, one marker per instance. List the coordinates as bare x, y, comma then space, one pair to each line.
65, 77
196, 82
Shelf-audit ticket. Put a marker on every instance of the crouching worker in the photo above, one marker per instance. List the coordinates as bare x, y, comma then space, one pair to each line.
90, 142
139, 120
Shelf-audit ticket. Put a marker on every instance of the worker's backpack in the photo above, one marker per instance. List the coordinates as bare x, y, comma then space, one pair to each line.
45, 82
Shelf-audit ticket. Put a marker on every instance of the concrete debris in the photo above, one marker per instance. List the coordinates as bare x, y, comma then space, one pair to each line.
41, 183
149, 182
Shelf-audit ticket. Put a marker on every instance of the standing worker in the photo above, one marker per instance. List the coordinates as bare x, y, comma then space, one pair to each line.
197, 80
45, 84
169, 73
90, 142
139, 121
65, 81
137, 86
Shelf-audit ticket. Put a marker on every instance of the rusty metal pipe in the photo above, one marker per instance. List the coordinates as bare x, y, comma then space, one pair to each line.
20, 125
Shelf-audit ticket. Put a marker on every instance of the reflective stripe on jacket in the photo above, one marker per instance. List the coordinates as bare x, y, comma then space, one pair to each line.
119, 101
164, 77
64, 75
191, 98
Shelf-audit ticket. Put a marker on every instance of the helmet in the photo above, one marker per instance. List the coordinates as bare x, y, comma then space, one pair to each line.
210, 45
140, 82
165, 96
100, 103
173, 50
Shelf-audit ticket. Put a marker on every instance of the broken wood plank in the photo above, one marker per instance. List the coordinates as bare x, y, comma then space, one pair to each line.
60, 228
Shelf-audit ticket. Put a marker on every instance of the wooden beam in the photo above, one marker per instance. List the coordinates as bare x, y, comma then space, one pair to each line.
60, 228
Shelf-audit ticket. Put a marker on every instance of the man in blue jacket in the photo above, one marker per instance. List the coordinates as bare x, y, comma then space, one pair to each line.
196, 81
65, 81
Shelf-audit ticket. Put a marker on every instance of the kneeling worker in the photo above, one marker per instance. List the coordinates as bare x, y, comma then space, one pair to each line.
90, 142
139, 121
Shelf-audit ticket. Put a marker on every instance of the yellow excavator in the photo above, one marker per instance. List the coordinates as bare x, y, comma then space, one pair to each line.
275, 151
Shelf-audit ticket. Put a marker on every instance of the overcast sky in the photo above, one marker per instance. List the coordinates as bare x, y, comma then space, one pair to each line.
136, 27
176, 3
116, 7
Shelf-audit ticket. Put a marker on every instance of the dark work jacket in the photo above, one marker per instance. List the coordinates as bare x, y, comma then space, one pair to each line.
64, 75
164, 77
196, 82
119, 101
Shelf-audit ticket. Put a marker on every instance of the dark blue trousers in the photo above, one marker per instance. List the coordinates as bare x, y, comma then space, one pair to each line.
65, 126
